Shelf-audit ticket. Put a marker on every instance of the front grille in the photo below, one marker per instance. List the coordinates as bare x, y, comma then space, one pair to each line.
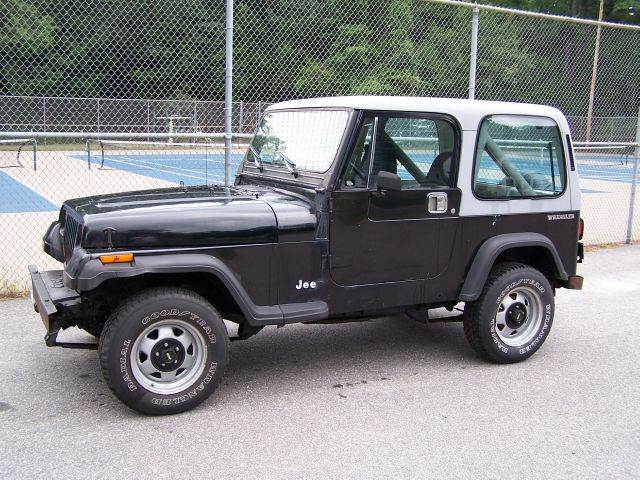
71, 231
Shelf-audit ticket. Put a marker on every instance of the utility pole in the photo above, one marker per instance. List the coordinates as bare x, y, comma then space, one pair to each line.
475, 20
594, 72
228, 93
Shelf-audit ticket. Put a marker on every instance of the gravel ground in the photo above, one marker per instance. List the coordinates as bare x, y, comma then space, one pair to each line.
389, 398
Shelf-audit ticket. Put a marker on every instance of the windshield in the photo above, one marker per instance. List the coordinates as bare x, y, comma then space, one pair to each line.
301, 140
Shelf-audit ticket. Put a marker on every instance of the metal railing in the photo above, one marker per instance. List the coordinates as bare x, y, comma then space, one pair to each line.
124, 115
623, 151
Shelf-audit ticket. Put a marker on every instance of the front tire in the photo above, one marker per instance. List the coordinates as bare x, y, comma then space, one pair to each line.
513, 315
163, 351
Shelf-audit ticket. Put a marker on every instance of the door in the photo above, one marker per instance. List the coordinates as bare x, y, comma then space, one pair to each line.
380, 234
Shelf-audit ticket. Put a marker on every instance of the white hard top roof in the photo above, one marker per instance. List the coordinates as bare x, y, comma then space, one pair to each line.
467, 112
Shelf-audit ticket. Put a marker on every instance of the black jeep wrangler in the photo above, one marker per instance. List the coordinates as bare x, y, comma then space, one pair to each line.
343, 208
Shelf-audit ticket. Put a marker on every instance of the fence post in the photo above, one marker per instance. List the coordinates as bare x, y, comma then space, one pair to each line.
637, 149
634, 181
632, 198
475, 20
195, 117
228, 90
594, 72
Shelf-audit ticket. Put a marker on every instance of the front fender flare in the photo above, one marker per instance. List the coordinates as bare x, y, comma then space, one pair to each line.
490, 250
93, 273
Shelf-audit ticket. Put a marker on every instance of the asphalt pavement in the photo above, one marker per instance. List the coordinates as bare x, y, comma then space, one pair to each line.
388, 398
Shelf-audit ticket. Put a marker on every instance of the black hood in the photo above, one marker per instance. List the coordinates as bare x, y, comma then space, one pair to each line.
188, 217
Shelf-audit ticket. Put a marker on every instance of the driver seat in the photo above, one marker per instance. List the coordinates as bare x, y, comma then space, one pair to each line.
440, 170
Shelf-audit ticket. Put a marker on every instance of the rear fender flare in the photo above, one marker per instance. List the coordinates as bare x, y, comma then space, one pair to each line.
489, 251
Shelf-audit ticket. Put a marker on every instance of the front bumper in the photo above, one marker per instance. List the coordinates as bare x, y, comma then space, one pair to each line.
51, 297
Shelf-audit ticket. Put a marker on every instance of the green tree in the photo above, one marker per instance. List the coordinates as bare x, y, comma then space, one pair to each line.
162, 49
25, 34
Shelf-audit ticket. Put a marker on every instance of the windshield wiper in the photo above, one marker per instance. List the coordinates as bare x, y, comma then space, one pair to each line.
257, 159
291, 166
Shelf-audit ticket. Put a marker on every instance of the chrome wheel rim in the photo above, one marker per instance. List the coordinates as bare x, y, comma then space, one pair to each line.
519, 316
168, 356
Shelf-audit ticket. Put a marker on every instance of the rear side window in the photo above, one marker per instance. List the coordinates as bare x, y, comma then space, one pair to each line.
519, 156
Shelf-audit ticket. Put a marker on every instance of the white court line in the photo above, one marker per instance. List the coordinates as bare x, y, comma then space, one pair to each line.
134, 159
159, 170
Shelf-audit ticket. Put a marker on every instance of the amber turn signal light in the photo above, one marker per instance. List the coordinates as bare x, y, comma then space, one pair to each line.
117, 258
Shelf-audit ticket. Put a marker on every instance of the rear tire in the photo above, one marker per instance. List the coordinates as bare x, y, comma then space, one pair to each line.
163, 351
513, 315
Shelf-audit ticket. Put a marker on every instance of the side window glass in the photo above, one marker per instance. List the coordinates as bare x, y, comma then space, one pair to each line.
519, 156
357, 170
419, 150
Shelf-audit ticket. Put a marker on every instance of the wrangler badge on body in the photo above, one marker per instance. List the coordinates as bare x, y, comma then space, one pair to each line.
562, 216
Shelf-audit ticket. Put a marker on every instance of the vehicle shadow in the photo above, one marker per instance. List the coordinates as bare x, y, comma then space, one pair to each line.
328, 354
293, 358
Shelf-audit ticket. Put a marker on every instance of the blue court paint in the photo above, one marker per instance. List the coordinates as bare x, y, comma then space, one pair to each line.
18, 198
200, 168
192, 169
611, 173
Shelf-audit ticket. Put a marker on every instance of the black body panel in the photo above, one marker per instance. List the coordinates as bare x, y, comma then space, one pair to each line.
460, 241
382, 237
559, 227
295, 215
198, 216
245, 274
246, 236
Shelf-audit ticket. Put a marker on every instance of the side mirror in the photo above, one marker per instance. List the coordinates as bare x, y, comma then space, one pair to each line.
389, 181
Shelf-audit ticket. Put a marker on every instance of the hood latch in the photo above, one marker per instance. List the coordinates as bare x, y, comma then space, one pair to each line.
107, 233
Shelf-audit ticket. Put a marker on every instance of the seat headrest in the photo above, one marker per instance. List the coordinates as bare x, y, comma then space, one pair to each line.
440, 170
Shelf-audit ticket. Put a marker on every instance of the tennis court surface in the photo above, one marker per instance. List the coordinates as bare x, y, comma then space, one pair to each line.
191, 169
31, 197
112, 166
27, 185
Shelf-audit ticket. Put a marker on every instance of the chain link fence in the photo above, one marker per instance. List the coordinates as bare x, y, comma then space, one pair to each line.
108, 115
155, 73
34, 183
72, 65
